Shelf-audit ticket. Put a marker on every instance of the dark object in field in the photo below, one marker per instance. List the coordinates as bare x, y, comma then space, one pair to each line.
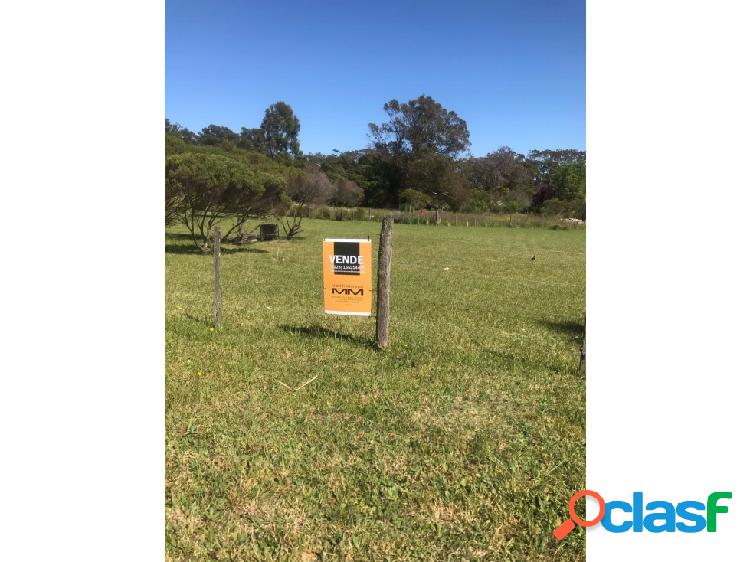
269, 231
246, 239
533, 258
384, 282
243, 238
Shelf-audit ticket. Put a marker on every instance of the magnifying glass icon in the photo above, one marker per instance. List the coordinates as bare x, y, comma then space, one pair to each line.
569, 524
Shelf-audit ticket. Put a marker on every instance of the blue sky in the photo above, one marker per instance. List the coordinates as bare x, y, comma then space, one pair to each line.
513, 69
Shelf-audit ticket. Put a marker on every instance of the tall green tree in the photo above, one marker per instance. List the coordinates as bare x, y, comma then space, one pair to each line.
279, 131
418, 127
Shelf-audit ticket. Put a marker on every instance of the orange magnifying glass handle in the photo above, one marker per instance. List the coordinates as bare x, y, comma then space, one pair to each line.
562, 531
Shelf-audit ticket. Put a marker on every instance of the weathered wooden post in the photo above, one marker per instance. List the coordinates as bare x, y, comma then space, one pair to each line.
384, 281
217, 277
582, 360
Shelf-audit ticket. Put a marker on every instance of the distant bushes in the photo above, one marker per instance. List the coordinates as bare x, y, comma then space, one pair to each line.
418, 160
575, 208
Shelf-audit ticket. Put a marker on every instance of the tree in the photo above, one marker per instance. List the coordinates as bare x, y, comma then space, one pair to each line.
420, 126
566, 191
413, 199
560, 175
312, 188
435, 176
177, 130
252, 139
280, 128
212, 186
218, 134
557, 157
347, 193
569, 182
380, 175
505, 176
173, 201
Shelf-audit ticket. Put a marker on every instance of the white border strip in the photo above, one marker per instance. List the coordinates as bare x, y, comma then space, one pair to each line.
348, 313
346, 240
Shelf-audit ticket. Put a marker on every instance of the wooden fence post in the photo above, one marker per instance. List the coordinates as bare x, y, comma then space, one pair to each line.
582, 360
217, 277
384, 282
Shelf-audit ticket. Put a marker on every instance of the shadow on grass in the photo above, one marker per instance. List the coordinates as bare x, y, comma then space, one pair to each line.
571, 330
191, 249
325, 333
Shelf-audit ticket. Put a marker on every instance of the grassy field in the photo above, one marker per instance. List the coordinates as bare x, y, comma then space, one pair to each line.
462, 441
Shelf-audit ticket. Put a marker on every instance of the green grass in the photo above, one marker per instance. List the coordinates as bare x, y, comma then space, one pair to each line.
462, 441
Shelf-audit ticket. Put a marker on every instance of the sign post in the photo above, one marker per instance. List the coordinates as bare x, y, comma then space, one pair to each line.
347, 276
384, 282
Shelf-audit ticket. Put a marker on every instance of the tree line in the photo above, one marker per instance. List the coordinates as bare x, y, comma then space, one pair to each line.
418, 158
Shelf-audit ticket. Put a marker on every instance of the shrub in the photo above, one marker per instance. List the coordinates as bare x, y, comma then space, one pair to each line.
347, 193
208, 187
414, 199
312, 188
575, 208
292, 225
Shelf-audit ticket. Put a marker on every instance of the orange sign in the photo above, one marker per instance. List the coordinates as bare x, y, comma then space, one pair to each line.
347, 276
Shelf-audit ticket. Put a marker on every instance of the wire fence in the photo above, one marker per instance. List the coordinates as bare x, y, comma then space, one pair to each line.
442, 218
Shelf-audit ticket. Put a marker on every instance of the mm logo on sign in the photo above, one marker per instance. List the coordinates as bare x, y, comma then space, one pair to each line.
335, 291
347, 276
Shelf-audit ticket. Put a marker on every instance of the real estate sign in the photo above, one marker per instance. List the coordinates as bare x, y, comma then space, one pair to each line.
347, 276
